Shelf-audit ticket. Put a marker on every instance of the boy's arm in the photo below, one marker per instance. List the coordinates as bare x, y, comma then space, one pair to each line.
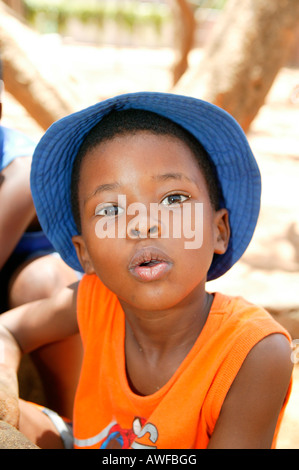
25, 329
250, 411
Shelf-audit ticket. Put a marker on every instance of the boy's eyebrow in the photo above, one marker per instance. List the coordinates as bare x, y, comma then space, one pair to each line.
169, 176
114, 186
102, 188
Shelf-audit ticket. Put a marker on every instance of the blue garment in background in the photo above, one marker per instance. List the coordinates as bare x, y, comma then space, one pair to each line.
14, 144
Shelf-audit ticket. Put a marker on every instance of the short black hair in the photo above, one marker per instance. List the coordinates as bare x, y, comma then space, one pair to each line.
130, 121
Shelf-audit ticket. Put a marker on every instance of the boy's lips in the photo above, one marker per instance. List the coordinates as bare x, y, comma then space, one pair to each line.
150, 264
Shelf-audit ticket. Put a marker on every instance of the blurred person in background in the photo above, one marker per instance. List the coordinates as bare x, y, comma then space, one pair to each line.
29, 267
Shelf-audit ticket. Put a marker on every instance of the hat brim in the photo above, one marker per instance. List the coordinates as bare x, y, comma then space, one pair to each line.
218, 132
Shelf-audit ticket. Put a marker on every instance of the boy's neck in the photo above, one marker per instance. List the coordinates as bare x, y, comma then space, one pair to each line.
156, 343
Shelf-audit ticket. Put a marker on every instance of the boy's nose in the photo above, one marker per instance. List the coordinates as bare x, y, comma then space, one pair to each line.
145, 229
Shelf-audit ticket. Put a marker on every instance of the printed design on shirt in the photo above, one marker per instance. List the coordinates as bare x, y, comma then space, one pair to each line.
119, 438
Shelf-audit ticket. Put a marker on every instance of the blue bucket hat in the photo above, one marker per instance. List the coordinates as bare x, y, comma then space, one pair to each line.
217, 131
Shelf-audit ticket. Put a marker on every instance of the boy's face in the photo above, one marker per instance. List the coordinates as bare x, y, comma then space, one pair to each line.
148, 228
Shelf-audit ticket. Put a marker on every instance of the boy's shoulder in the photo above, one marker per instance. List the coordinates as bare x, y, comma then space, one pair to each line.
238, 316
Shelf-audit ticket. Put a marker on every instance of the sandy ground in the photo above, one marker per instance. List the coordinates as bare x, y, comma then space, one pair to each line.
269, 272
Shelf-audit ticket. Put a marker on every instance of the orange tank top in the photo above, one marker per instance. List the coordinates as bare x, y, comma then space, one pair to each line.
183, 413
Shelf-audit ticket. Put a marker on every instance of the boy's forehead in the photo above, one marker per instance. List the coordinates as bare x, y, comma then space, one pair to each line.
145, 150
123, 161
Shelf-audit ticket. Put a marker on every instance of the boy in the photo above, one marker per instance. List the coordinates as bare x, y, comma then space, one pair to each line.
151, 195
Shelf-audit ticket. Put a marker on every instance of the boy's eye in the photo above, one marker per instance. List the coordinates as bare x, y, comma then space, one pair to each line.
174, 199
108, 210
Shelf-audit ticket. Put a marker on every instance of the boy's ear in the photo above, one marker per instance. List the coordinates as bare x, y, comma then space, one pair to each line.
222, 231
83, 254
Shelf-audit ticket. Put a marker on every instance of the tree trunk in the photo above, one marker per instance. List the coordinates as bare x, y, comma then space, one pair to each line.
185, 28
25, 77
17, 6
251, 42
